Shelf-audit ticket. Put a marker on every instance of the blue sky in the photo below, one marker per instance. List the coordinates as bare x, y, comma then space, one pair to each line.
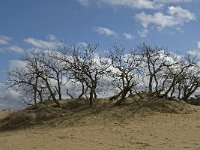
25, 24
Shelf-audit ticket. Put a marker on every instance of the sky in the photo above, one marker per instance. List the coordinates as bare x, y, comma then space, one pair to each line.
26, 24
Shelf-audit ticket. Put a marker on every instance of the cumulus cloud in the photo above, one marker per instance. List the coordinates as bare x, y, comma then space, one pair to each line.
195, 52
13, 48
51, 37
6, 45
139, 4
84, 2
105, 31
171, 1
82, 44
4, 40
175, 16
183, 15
51, 44
143, 33
128, 36
9, 98
16, 49
130, 3
13, 64
198, 44
157, 19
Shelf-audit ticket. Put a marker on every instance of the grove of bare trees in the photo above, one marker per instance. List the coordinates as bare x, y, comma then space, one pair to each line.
54, 74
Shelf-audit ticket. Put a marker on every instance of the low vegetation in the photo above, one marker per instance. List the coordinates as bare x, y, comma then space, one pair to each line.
77, 112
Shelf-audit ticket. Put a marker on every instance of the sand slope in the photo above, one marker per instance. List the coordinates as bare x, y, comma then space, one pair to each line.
155, 132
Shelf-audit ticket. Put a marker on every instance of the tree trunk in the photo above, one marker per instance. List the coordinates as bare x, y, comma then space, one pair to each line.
35, 90
91, 97
179, 91
41, 98
82, 91
116, 96
59, 88
123, 95
150, 84
59, 93
189, 93
155, 78
95, 94
67, 92
169, 89
52, 94
172, 93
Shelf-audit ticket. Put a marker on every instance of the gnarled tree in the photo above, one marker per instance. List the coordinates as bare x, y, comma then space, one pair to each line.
126, 69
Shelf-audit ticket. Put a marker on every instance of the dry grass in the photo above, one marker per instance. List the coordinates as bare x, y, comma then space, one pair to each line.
78, 112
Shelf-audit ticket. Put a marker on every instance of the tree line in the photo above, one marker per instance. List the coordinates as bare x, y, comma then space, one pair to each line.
144, 69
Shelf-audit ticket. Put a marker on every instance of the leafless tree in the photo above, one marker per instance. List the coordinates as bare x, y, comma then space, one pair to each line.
155, 61
189, 81
87, 67
27, 81
175, 76
55, 69
33, 62
45, 73
126, 69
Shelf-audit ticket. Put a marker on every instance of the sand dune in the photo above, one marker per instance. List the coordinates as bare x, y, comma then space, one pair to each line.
159, 131
4, 114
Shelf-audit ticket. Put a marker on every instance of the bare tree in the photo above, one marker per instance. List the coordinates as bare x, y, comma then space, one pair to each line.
34, 64
24, 80
66, 58
88, 67
45, 73
156, 61
126, 70
176, 76
189, 81
85, 66
55, 69
27, 79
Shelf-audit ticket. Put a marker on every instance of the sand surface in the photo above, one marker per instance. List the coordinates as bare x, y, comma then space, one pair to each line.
154, 132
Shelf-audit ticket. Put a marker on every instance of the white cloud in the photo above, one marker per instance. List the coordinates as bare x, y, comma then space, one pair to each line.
139, 4
128, 36
198, 44
130, 3
9, 98
181, 14
16, 49
157, 19
43, 44
82, 44
105, 31
143, 33
6, 45
171, 1
176, 16
84, 2
13, 48
4, 40
13, 64
51, 37
195, 53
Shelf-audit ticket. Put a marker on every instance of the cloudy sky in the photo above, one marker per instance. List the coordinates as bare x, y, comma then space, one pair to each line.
25, 24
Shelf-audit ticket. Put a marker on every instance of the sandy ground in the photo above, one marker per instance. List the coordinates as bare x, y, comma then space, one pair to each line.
4, 114
155, 132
